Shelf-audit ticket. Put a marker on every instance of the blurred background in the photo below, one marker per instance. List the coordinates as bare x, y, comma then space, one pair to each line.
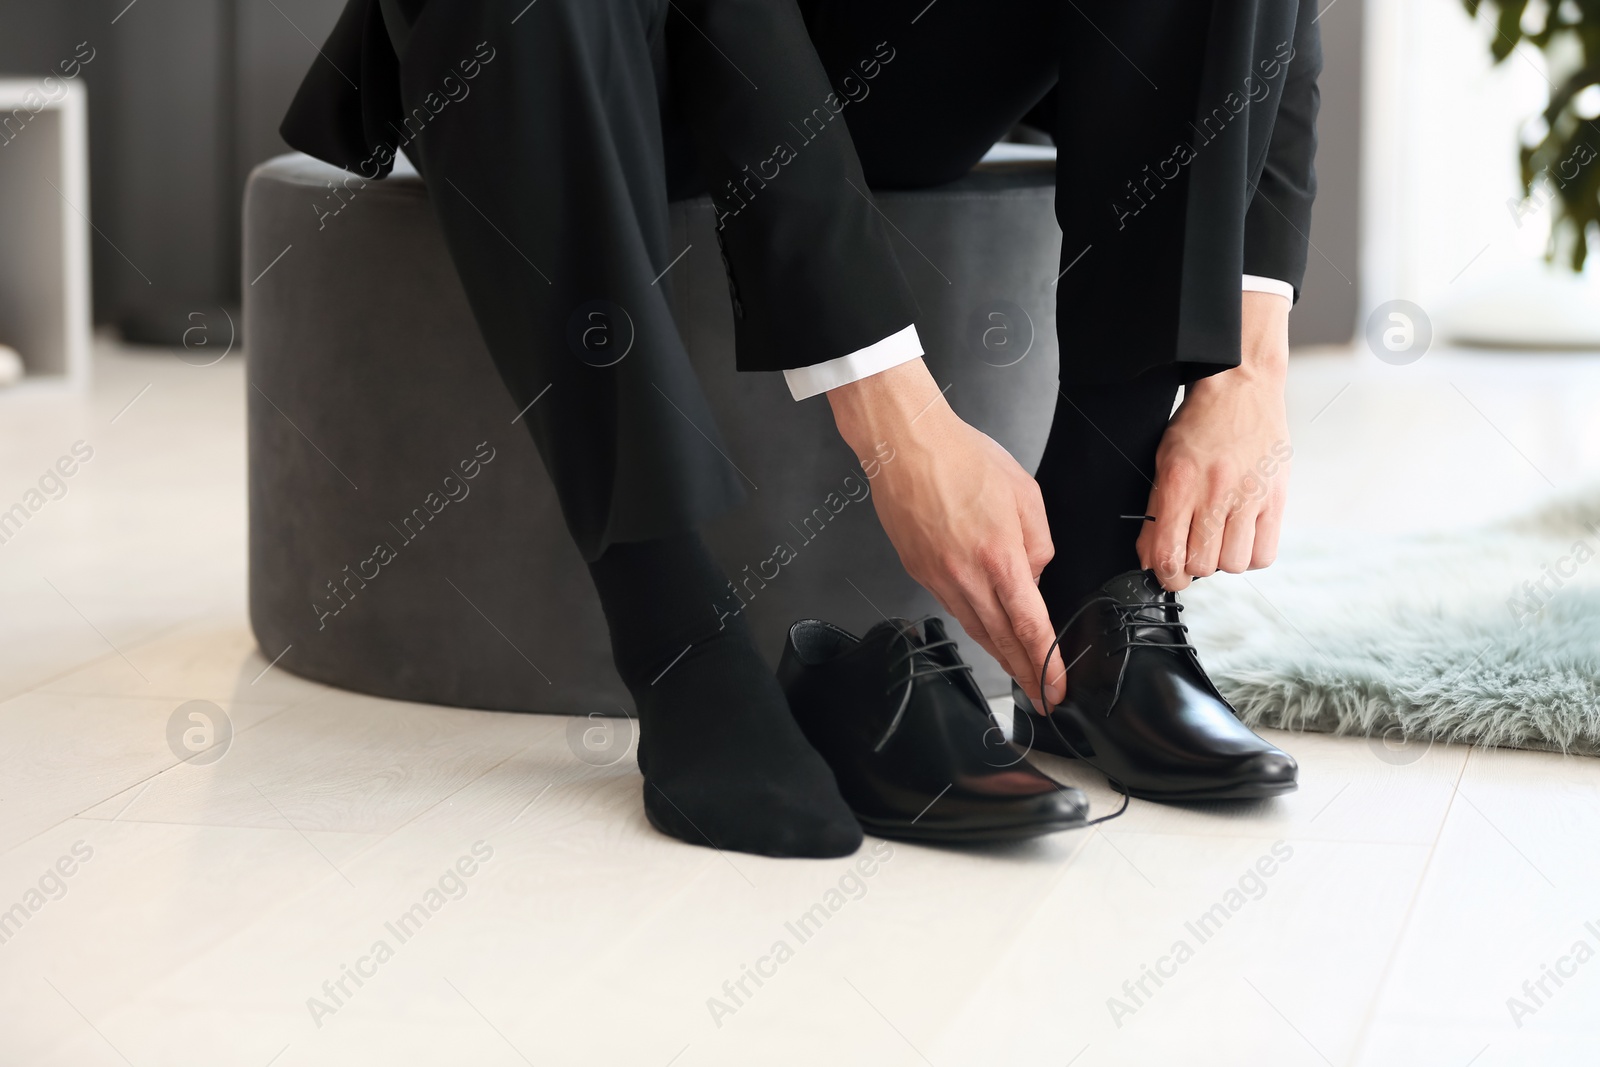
184, 98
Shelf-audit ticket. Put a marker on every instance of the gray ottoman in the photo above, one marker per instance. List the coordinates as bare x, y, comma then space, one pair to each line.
404, 538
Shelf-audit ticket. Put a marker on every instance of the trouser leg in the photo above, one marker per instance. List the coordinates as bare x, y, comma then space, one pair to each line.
962, 73
546, 171
1097, 470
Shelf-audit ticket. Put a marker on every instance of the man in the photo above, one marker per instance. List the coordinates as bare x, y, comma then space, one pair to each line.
552, 134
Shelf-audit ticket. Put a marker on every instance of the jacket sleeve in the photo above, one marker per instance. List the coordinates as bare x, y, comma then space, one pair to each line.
1278, 221
810, 262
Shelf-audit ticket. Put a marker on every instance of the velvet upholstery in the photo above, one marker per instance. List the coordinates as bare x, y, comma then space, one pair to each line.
383, 568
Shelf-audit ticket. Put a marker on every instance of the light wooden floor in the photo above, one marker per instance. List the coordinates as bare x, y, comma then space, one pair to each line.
1409, 897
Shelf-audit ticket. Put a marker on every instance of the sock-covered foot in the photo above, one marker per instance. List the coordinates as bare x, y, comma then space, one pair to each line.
724, 763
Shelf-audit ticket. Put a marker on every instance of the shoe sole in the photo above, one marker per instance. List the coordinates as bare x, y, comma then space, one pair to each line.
1045, 741
933, 835
1243, 791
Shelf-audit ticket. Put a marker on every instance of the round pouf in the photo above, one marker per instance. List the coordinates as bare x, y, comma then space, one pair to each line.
404, 538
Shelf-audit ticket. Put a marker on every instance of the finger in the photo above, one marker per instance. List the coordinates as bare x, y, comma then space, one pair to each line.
1145, 544
961, 610
955, 605
1013, 656
1163, 544
1264, 547
1238, 542
1030, 623
1206, 529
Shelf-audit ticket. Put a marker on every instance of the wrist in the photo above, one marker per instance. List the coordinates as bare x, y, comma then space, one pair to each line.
1260, 375
884, 406
1263, 345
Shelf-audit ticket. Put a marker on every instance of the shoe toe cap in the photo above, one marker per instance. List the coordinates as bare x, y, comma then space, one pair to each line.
1021, 797
1071, 803
1272, 767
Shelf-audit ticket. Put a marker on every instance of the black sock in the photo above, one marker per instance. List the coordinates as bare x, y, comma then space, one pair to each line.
724, 762
1099, 466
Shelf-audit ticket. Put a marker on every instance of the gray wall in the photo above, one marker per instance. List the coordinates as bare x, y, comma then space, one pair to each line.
1330, 297
184, 97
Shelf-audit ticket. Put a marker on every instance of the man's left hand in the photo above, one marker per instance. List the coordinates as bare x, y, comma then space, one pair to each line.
1222, 469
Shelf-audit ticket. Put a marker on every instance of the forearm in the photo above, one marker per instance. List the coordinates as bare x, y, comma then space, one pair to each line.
887, 406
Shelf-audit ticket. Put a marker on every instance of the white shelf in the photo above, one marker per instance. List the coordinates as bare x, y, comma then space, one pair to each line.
44, 228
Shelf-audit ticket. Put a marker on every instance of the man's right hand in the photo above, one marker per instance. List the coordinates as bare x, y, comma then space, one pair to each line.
967, 520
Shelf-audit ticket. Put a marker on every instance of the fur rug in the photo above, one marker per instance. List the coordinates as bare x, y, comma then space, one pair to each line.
1488, 636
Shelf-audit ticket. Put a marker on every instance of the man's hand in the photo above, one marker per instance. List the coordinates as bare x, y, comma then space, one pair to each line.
967, 520
1222, 470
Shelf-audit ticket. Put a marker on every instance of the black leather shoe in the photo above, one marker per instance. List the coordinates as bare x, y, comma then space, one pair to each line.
912, 743
1140, 709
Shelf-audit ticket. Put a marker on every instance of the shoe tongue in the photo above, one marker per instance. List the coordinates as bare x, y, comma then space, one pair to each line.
958, 686
933, 631
1134, 587
1138, 588
916, 635
891, 629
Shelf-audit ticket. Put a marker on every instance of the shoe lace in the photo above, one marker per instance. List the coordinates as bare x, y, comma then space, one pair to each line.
930, 668
934, 669
1131, 615
1127, 616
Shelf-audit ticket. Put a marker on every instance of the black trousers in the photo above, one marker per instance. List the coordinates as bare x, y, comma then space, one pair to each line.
552, 188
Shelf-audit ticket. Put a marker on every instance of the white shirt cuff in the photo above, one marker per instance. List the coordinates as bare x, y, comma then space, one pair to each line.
1254, 283
897, 348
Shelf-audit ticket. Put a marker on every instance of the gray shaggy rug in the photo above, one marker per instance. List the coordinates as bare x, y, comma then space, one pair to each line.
1488, 636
